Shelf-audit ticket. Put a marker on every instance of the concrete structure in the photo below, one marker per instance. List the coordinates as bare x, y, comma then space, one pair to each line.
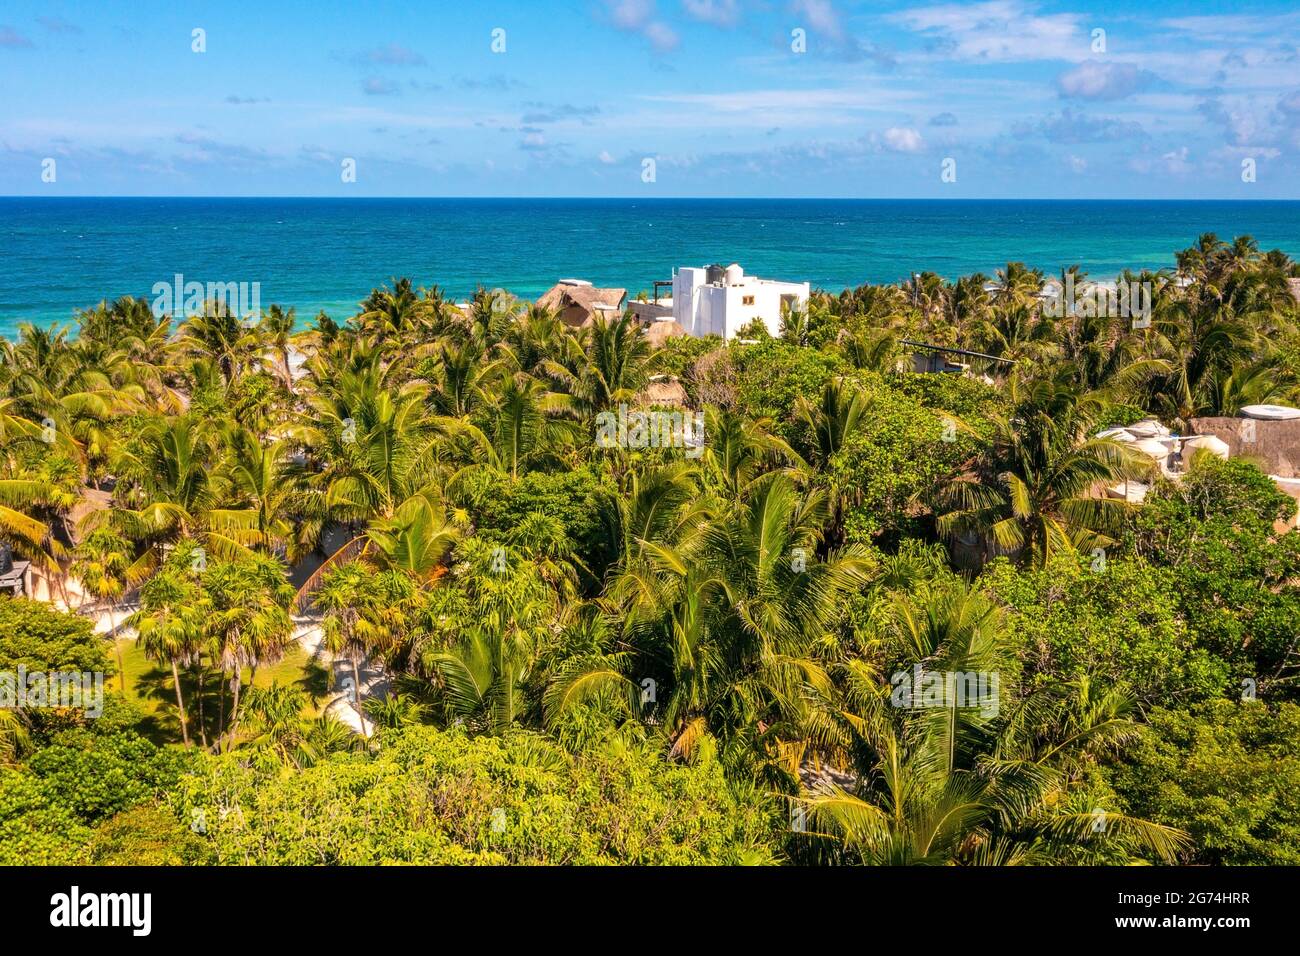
1273, 445
13, 574
939, 358
649, 312
722, 301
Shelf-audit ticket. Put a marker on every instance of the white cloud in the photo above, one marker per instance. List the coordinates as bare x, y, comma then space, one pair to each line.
903, 139
605, 157
640, 16
1176, 161
377, 86
394, 54
999, 30
821, 16
830, 99
723, 13
1102, 81
660, 35
1216, 27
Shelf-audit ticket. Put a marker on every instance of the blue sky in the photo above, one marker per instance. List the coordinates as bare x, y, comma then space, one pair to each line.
1018, 93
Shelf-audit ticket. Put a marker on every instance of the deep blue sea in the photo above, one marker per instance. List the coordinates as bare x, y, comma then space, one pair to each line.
61, 254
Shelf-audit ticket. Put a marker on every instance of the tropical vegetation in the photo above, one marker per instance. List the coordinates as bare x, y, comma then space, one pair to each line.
551, 649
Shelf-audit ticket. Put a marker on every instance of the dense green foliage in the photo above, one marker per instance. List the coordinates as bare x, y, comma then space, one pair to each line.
81, 776
445, 798
35, 636
740, 645
1226, 772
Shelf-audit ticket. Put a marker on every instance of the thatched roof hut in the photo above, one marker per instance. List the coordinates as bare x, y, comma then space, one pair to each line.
657, 333
663, 390
578, 305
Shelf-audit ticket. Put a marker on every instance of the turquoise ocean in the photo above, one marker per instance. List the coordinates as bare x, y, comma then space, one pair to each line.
62, 254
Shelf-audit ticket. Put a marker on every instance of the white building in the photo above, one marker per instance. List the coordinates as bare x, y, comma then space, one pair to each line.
718, 301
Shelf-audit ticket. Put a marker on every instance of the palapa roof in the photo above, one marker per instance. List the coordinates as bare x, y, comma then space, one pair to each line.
657, 333
663, 391
589, 299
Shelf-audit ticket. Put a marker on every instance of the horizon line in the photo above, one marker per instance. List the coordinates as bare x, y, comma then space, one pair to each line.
681, 198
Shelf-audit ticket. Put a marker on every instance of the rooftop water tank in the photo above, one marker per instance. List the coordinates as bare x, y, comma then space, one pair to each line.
1153, 448
715, 273
1270, 413
735, 274
1215, 446
1147, 428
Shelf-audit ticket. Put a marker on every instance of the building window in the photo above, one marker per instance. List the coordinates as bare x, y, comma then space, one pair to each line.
747, 300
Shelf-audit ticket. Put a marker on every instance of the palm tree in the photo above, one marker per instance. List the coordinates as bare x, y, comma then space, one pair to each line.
102, 563
362, 614
276, 714
483, 673
248, 620
167, 490
15, 739
276, 328
20, 497
1031, 491
739, 450
270, 492
1200, 341
415, 540
380, 458
225, 339
833, 420
170, 624
734, 609
613, 365
1017, 285
987, 780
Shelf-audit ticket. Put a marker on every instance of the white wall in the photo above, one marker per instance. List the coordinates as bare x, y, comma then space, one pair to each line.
703, 309
684, 286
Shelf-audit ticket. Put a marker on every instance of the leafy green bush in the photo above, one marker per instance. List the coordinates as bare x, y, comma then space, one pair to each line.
442, 797
775, 374
1233, 576
894, 459
574, 498
97, 775
40, 638
36, 829
1120, 625
147, 835
83, 776
1227, 772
